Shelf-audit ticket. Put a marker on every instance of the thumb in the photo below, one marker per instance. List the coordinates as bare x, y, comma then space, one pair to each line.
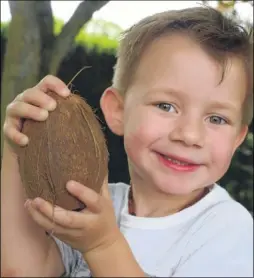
105, 189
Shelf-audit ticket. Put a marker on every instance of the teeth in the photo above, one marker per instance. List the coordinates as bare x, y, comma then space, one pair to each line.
176, 161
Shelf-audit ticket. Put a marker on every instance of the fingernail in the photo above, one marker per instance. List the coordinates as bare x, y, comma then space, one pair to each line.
24, 140
44, 113
71, 184
65, 92
51, 105
27, 203
37, 201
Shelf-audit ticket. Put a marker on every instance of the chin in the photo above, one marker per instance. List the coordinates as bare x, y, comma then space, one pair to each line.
176, 188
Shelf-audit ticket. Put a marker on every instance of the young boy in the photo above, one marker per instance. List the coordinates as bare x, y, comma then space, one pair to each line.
182, 99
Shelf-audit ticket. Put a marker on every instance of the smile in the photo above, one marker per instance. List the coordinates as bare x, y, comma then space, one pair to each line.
178, 165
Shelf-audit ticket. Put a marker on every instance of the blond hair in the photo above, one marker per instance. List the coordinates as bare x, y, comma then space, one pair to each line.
218, 35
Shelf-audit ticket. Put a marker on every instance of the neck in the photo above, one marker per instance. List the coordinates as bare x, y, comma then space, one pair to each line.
149, 202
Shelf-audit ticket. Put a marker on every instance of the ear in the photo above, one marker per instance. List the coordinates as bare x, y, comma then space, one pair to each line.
241, 136
112, 105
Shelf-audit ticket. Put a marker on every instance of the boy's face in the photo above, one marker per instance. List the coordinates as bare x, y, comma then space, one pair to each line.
177, 108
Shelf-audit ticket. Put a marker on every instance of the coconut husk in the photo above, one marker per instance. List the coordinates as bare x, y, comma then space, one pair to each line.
69, 145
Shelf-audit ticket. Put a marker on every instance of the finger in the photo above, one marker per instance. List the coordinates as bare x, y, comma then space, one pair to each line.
38, 98
47, 223
20, 109
64, 218
54, 84
86, 195
14, 135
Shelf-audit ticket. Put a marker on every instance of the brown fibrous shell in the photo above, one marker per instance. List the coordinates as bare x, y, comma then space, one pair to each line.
69, 145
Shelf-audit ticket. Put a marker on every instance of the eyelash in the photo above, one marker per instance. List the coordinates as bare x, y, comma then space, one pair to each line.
214, 116
164, 103
220, 118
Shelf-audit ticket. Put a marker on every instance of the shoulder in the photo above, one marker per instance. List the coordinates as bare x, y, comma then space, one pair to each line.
227, 211
219, 221
221, 237
218, 213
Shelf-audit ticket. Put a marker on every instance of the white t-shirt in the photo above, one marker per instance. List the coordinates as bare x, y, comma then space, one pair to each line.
212, 238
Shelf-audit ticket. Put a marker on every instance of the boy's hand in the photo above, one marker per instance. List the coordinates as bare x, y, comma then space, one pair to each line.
93, 229
33, 103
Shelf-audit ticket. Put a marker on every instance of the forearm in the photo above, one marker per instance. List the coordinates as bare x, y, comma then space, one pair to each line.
115, 261
23, 243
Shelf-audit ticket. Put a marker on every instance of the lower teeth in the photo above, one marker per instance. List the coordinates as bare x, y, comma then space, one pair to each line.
177, 162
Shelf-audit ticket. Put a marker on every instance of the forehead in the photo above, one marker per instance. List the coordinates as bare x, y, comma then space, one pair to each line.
178, 62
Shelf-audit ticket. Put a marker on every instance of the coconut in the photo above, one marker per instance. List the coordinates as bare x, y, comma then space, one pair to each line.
69, 145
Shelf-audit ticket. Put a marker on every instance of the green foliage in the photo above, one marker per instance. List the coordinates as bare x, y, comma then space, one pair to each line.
96, 34
239, 179
58, 25
4, 29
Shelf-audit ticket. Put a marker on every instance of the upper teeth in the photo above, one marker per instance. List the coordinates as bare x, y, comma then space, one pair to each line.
177, 161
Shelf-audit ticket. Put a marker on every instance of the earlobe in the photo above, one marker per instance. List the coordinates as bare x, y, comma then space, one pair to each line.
112, 104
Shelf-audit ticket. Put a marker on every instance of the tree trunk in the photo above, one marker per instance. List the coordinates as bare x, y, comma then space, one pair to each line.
22, 57
46, 23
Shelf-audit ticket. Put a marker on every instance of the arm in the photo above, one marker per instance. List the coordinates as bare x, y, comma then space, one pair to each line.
93, 232
114, 261
25, 249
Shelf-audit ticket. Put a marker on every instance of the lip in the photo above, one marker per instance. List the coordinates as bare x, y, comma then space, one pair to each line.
191, 167
179, 158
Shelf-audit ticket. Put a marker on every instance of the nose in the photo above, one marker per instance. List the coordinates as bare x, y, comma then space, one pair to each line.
188, 131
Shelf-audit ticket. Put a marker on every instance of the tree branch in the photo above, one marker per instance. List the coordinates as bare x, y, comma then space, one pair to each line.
65, 39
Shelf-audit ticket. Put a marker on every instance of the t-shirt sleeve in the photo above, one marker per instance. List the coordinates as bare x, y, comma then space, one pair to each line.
73, 261
226, 250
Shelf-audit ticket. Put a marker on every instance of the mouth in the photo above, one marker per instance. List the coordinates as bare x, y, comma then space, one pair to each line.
178, 163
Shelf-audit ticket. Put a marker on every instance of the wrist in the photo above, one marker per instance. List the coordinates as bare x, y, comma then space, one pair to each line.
106, 245
114, 260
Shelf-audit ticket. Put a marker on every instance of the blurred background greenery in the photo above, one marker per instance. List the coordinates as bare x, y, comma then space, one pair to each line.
35, 43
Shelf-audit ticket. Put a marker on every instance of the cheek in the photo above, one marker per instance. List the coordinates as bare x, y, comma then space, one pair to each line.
221, 151
141, 130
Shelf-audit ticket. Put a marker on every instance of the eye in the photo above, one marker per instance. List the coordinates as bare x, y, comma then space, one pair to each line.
217, 120
165, 107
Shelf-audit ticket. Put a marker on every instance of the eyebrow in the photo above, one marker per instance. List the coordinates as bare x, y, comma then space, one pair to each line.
168, 91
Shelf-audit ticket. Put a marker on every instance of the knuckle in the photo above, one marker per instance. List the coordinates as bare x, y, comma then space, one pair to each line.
48, 79
24, 96
5, 128
68, 218
10, 107
18, 97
